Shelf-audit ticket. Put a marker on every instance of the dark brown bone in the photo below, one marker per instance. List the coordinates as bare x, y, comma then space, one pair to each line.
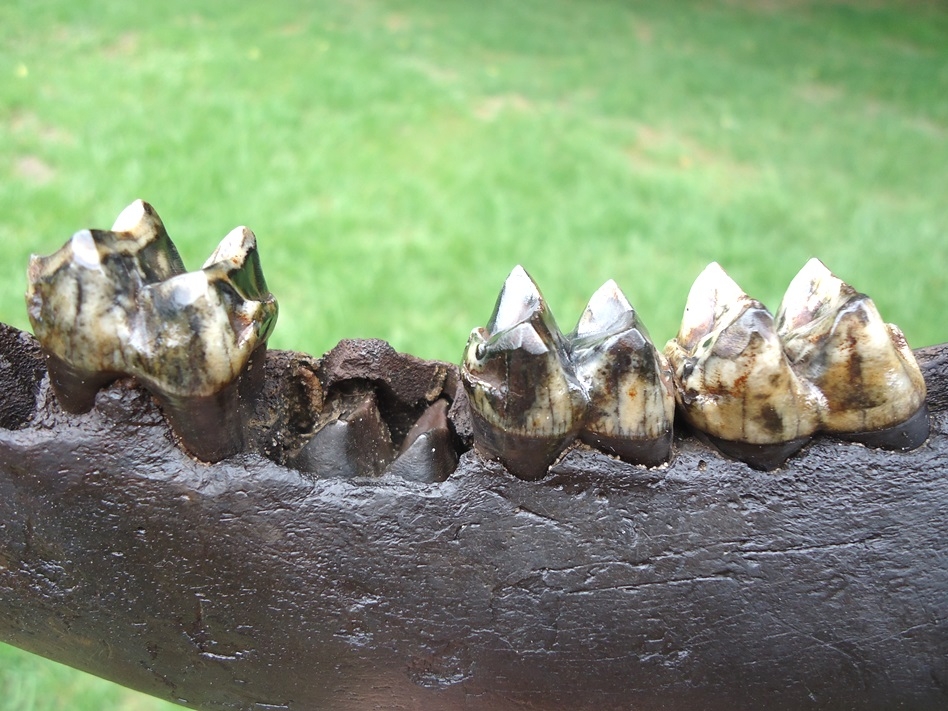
246, 585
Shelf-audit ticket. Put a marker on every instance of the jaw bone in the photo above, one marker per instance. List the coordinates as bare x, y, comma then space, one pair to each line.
526, 403
115, 303
734, 381
627, 381
835, 338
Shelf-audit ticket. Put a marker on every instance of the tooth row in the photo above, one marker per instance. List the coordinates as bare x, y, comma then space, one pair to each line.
533, 390
761, 387
120, 303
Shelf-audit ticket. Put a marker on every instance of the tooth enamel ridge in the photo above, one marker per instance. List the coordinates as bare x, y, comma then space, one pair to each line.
120, 303
527, 404
631, 403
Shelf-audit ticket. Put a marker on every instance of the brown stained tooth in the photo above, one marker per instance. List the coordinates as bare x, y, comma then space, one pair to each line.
835, 338
119, 303
627, 381
356, 444
427, 455
526, 403
733, 380
80, 298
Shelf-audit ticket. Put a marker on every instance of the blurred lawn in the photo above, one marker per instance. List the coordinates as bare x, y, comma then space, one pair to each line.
397, 159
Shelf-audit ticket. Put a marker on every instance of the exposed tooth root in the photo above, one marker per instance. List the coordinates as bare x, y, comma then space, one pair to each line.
527, 405
357, 444
733, 380
120, 303
427, 455
835, 338
627, 381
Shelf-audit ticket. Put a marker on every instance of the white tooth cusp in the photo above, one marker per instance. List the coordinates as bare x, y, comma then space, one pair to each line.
733, 381
119, 303
627, 381
835, 338
526, 403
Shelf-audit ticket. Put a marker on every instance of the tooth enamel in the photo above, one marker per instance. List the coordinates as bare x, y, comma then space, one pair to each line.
526, 401
356, 443
627, 381
734, 381
427, 454
120, 303
835, 338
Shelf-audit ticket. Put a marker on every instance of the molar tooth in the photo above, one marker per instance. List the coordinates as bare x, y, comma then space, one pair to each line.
119, 303
427, 454
357, 443
835, 338
526, 403
733, 380
627, 381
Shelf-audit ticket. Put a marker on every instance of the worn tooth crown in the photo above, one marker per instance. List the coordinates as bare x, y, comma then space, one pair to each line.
119, 302
734, 381
520, 382
627, 381
835, 338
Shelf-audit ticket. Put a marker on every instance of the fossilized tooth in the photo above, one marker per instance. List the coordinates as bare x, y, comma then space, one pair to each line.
357, 443
733, 381
113, 303
427, 455
627, 381
835, 338
526, 403
80, 298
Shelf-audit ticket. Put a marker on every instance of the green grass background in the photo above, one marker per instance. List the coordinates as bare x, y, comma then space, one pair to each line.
397, 159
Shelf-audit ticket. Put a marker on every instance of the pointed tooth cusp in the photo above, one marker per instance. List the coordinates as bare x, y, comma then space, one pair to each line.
735, 384
356, 444
138, 239
712, 294
427, 455
526, 401
836, 339
190, 338
627, 381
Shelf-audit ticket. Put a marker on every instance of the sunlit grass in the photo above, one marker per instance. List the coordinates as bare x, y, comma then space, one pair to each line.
397, 159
